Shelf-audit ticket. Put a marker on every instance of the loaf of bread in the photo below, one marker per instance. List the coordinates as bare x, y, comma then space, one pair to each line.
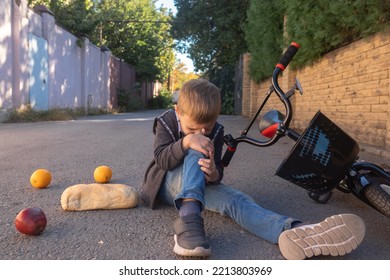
94, 196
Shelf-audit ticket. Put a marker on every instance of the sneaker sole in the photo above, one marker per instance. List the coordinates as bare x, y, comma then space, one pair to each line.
197, 252
336, 236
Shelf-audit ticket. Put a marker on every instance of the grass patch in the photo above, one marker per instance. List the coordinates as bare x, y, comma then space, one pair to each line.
28, 114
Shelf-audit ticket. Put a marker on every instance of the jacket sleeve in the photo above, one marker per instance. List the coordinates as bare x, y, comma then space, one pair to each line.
168, 151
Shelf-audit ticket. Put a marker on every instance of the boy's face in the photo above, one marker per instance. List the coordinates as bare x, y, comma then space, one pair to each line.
189, 126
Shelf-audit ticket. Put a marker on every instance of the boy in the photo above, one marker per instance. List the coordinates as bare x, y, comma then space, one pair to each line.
186, 172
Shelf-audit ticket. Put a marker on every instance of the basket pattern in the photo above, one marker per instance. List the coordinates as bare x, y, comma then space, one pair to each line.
321, 156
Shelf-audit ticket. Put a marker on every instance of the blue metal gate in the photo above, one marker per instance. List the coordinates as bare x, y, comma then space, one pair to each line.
38, 67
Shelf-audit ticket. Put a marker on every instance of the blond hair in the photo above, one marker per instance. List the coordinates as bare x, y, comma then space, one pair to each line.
200, 100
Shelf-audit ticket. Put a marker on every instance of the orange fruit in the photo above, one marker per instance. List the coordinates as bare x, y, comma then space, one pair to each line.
40, 178
102, 174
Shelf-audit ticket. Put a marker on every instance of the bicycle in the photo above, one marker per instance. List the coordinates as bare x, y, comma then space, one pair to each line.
323, 158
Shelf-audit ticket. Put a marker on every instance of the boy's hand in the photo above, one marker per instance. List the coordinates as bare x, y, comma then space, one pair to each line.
199, 142
207, 165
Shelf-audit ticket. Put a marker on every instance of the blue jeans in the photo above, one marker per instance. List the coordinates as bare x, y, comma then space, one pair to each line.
188, 181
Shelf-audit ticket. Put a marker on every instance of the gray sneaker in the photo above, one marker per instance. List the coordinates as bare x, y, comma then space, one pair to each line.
335, 236
190, 238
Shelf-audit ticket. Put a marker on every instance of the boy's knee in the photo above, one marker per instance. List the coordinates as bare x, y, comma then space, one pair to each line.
194, 153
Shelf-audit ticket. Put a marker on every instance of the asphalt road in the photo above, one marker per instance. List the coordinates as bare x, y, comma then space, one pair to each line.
71, 150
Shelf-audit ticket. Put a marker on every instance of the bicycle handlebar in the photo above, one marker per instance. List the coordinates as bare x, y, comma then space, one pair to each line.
288, 56
232, 143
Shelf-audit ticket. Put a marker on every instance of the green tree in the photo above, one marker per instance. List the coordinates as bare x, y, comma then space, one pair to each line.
180, 75
134, 31
321, 26
211, 32
264, 36
77, 16
140, 34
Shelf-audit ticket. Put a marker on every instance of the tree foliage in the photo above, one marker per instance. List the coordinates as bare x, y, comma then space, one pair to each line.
319, 26
140, 34
264, 36
134, 31
180, 75
211, 31
77, 16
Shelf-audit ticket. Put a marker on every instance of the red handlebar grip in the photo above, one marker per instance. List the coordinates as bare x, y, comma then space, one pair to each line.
288, 55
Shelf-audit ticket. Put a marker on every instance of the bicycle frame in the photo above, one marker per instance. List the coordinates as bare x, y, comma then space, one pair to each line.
323, 158
356, 180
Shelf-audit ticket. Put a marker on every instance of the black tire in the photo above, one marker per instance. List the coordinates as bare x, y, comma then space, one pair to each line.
377, 195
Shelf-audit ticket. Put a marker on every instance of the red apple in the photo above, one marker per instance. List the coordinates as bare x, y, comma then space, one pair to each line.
31, 221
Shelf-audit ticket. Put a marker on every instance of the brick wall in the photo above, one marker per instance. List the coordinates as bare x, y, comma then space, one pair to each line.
350, 85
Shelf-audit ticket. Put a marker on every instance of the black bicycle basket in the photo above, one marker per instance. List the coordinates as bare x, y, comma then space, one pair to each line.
320, 158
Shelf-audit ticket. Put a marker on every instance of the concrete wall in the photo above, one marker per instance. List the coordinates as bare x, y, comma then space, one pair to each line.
80, 74
13, 37
123, 76
350, 85
5, 55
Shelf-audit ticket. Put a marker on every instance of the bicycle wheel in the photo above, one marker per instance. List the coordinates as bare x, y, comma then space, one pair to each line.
378, 194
